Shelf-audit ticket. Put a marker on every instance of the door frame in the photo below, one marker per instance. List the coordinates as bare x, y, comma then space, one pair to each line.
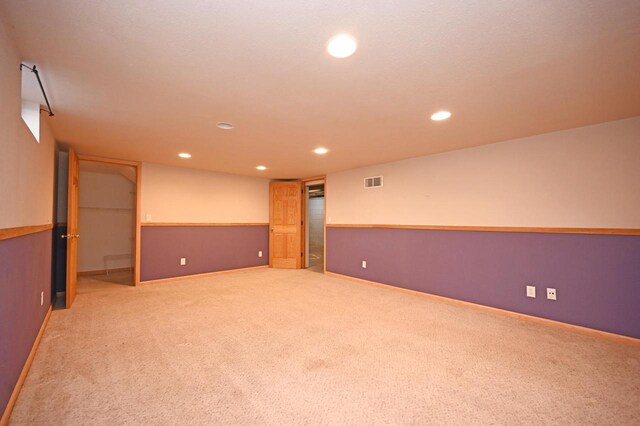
137, 230
303, 233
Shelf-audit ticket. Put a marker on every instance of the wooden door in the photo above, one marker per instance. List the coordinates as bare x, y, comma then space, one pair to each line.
285, 220
72, 227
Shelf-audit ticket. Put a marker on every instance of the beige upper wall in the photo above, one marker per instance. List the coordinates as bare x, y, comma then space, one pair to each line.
26, 166
174, 194
584, 177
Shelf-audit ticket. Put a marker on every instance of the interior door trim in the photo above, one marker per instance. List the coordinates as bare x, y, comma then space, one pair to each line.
138, 210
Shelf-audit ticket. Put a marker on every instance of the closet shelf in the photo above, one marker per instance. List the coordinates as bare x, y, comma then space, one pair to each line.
122, 209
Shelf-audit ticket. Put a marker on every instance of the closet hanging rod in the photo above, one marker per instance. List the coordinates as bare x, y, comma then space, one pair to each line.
35, 71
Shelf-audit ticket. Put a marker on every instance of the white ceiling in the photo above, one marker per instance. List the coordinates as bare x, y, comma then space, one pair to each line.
145, 80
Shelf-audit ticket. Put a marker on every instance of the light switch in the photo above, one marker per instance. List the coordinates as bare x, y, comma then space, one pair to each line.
531, 291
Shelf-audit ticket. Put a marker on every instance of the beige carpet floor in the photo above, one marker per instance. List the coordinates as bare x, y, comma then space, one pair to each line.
276, 347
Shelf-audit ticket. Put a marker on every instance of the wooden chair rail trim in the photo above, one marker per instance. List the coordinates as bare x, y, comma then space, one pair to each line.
25, 370
206, 274
202, 224
601, 231
7, 233
632, 341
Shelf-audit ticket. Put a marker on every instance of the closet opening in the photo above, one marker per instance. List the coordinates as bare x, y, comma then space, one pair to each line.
314, 224
106, 224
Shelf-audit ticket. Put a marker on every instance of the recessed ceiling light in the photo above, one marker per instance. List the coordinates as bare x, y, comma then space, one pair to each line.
184, 155
321, 150
261, 168
440, 115
225, 126
342, 46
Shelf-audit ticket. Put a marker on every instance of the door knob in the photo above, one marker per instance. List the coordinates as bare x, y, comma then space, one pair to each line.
69, 236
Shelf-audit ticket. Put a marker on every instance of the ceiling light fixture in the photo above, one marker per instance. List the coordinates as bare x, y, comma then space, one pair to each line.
440, 115
261, 168
184, 155
224, 126
342, 46
321, 151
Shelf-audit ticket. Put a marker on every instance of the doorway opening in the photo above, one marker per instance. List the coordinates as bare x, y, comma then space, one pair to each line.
106, 221
314, 212
102, 238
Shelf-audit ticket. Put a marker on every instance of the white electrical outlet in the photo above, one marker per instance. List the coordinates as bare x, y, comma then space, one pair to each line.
148, 217
260, 253
41, 298
531, 291
183, 261
364, 264
551, 294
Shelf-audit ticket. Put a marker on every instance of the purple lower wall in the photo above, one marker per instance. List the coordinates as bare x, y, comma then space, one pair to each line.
25, 271
207, 249
597, 277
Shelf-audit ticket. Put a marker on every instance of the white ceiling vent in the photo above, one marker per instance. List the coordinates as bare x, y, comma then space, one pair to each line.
373, 182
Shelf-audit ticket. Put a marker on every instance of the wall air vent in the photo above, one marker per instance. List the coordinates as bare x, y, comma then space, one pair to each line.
373, 182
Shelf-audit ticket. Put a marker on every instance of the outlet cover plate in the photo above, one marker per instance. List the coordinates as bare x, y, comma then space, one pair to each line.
183, 261
551, 294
